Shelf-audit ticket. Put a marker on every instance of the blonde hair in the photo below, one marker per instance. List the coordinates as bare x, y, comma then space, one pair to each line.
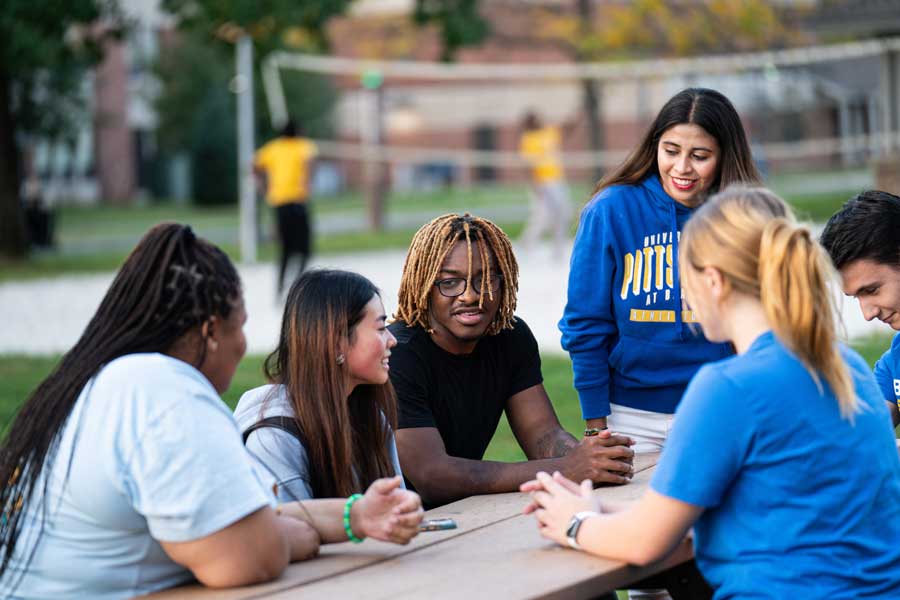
427, 252
751, 237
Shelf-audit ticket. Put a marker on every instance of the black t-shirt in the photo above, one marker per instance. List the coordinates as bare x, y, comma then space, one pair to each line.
462, 395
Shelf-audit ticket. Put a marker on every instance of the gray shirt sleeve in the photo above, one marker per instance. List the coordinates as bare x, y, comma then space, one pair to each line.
285, 458
395, 458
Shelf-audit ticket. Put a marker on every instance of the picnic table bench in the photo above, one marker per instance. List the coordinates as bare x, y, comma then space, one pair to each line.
495, 552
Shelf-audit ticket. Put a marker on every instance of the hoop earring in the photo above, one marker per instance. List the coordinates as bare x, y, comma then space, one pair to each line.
340, 359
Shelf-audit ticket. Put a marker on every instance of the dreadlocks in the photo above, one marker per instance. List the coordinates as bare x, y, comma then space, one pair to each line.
170, 283
429, 249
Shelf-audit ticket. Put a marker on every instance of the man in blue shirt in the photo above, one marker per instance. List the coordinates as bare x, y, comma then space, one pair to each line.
863, 239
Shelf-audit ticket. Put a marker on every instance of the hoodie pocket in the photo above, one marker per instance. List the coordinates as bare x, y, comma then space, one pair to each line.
639, 362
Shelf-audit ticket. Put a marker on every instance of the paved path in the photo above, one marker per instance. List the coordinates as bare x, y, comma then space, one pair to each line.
47, 316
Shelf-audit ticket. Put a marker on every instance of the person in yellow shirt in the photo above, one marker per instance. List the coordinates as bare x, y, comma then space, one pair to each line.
284, 168
540, 146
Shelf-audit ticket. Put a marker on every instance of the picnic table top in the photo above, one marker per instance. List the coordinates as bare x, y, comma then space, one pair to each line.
494, 551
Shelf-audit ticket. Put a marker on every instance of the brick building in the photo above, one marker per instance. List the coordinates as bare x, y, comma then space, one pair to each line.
817, 102
111, 157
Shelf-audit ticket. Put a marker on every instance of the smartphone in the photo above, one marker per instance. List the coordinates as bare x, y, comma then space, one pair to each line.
437, 524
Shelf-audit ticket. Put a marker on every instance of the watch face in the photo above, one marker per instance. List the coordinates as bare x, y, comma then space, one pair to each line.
575, 525
572, 529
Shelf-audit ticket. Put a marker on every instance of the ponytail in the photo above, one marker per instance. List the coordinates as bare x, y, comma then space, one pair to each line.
793, 282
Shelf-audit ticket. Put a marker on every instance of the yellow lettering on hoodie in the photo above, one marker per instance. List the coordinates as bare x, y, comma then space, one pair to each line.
660, 316
628, 274
638, 268
648, 267
660, 251
670, 276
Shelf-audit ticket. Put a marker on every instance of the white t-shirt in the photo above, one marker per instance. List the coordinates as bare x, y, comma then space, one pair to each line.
277, 450
157, 456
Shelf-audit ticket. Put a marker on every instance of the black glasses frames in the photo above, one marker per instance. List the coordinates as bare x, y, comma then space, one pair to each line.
456, 286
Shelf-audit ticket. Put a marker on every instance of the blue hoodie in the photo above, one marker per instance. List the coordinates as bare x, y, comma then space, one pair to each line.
630, 340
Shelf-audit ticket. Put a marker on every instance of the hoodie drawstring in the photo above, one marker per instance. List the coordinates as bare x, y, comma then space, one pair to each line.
679, 322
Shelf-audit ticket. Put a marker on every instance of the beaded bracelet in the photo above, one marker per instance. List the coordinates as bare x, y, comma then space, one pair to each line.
347, 529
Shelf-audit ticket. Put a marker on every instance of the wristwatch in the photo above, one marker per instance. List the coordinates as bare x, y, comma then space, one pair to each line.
575, 525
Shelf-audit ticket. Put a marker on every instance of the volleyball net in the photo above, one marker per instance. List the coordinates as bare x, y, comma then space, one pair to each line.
827, 109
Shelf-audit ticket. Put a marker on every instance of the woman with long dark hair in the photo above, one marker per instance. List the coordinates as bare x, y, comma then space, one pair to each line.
625, 325
124, 473
324, 426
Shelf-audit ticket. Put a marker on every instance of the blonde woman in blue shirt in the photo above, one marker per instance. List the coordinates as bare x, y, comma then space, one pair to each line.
758, 460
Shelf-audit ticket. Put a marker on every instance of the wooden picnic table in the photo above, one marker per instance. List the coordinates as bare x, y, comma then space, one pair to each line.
495, 552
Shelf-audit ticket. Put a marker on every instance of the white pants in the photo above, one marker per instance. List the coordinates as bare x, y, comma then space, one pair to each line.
649, 430
550, 210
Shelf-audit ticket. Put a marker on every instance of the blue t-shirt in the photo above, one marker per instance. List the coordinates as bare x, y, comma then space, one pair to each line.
152, 454
799, 503
887, 372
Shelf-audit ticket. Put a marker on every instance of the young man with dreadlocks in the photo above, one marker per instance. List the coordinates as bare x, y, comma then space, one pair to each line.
463, 358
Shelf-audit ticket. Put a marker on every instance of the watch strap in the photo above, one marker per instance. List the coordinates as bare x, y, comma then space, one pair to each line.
574, 525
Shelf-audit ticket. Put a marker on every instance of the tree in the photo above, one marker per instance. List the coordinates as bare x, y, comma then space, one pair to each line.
45, 48
195, 73
195, 108
266, 21
596, 31
659, 28
459, 22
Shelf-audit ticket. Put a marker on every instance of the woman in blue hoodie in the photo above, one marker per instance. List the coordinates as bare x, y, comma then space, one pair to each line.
625, 325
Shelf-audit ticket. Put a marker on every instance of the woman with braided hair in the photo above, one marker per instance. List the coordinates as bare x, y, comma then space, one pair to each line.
124, 472
463, 358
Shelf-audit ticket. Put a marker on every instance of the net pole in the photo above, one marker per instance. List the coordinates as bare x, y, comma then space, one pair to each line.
275, 99
372, 137
246, 188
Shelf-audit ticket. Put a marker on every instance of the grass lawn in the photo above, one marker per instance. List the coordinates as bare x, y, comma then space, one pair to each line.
817, 207
77, 223
53, 264
19, 375
98, 238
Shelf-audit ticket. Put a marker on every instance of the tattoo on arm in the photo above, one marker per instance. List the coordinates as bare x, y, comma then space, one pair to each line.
554, 444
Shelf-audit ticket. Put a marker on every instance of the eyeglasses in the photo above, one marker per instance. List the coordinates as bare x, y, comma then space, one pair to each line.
456, 286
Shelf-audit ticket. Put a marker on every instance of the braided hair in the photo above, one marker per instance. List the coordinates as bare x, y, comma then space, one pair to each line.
427, 252
171, 283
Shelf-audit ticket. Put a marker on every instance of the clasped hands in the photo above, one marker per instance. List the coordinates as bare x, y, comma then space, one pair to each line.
555, 500
602, 458
387, 512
